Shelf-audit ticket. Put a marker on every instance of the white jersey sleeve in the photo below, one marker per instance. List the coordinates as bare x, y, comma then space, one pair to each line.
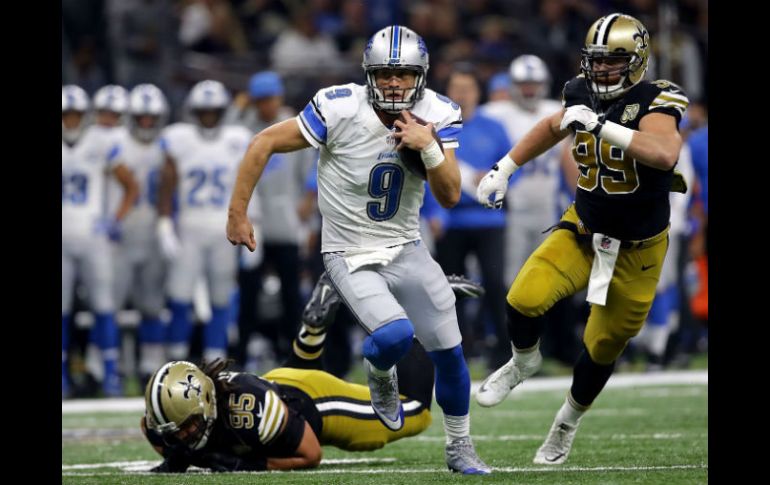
327, 114
445, 115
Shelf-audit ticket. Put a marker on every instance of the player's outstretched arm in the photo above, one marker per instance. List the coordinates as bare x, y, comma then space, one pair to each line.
308, 454
544, 135
280, 138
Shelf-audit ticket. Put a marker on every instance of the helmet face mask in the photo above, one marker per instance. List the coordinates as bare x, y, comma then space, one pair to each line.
395, 48
147, 102
110, 104
208, 96
74, 100
180, 403
530, 81
622, 44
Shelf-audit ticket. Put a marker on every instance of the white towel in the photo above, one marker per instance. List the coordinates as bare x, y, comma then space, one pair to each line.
356, 258
605, 255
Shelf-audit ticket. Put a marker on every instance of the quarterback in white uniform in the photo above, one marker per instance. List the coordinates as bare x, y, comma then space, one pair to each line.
139, 265
533, 196
89, 155
370, 205
201, 165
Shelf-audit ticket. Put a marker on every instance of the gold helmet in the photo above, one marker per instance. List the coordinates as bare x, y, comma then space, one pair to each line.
615, 36
180, 403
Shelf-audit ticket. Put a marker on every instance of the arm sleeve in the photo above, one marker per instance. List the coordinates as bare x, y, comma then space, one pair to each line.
312, 122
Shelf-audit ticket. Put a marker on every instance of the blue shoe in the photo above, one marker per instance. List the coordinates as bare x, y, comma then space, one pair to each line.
461, 457
112, 387
65, 387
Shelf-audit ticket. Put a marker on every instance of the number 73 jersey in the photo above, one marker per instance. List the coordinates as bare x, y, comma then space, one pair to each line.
366, 195
617, 195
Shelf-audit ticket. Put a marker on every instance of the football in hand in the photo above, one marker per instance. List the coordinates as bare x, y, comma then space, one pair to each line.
412, 158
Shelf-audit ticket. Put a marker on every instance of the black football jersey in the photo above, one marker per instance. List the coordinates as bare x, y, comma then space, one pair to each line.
617, 195
252, 421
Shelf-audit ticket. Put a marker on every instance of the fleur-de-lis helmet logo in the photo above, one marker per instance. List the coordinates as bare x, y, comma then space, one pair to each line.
190, 385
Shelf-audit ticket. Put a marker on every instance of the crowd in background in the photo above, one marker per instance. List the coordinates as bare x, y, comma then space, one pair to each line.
273, 55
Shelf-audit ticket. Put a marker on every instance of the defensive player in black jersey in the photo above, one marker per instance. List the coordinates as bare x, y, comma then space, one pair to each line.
236, 421
614, 237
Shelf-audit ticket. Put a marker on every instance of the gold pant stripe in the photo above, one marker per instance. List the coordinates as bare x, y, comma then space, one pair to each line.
346, 430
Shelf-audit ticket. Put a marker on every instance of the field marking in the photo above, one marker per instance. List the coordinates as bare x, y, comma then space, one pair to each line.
537, 384
538, 437
145, 465
346, 471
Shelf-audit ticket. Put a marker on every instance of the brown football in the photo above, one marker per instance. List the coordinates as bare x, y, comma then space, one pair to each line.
412, 158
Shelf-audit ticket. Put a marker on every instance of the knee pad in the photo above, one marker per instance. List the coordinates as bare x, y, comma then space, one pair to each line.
389, 343
605, 349
453, 381
534, 298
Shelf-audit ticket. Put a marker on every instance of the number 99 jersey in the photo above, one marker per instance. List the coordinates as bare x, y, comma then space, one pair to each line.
617, 195
366, 195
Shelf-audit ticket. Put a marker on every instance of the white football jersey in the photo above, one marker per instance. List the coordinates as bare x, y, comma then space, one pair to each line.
366, 195
145, 161
84, 170
206, 171
538, 179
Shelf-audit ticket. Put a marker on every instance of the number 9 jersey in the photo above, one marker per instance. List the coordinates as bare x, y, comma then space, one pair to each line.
617, 195
367, 197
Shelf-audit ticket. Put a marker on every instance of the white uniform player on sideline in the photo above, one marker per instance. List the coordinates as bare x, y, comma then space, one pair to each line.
89, 156
139, 266
201, 165
110, 104
533, 196
370, 206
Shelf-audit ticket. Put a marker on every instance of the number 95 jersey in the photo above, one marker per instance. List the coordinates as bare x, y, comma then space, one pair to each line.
367, 197
617, 195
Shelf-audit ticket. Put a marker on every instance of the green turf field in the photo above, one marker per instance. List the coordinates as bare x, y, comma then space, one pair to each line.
651, 434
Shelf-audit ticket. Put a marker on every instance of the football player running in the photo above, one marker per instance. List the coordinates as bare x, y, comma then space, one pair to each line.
370, 206
613, 239
88, 157
233, 421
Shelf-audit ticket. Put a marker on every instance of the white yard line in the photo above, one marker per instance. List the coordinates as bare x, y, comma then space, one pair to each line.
347, 471
619, 381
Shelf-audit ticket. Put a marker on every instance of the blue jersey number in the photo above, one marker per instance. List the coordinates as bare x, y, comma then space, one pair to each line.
385, 182
201, 178
74, 188
153, 184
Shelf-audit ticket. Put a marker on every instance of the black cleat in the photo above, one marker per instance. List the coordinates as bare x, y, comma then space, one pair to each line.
465, 288
322, 306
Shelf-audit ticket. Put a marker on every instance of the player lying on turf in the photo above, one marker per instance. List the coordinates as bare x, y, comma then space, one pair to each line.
236, 421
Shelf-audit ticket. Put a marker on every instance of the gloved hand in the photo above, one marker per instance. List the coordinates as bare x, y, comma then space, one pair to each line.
111, 227
176, 460
581, 117
169, 242
495, 182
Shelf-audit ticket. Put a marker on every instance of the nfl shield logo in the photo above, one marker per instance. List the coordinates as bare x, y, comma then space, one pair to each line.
605, 244
629, 113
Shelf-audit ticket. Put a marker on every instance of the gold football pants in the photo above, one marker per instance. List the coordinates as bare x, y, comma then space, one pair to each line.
561, 266
349, 421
